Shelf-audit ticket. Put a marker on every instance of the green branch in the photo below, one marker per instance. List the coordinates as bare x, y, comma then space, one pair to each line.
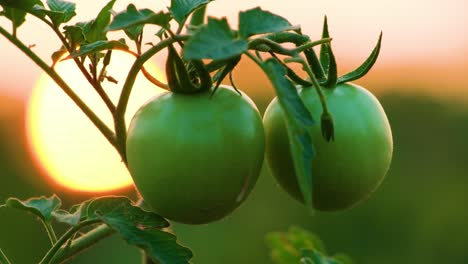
97, 85
82, 243
314, 80
3, 258
63, 85
68, 235
50, 232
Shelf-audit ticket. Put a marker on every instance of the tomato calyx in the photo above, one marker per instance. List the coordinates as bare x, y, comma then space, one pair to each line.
225, 70
187, 77
327, 126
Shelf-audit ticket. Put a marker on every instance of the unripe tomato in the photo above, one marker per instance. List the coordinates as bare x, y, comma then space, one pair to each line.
195, 158
346, 170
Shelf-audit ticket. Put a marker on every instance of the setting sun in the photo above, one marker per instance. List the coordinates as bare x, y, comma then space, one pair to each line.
65, 143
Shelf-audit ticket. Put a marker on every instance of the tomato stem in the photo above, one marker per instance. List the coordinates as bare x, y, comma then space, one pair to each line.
316, 85
65, 237
82, 243
3, 258
108, 134
298, 40
309, 45
96, 84
50, 232
145, 72
260, 43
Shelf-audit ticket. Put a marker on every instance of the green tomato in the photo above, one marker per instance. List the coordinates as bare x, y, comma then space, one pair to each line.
195, 158
346, 170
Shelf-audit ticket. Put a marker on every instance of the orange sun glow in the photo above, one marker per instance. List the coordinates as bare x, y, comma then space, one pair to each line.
65, 143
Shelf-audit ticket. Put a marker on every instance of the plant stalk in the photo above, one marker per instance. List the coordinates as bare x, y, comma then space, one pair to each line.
82, 243
50, 233
3, 258
65, 237
108, 134
97, 85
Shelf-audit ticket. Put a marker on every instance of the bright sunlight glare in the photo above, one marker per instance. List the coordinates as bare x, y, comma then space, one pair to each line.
65, 143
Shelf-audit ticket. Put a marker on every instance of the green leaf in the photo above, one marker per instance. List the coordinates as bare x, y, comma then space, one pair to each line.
162, 247
136, 226
222, 73
311, 256
331, 68
134, 32
95, 30
16, 16
70, 218
42, 207
75, 35
281, 251
139, 228
181, 9
298, 123
214, 41
301, 238
324, 52
24, 5
59, 11
365, 67
122, 208
300, 246
257, 21
133, 20
99, 46
16, 10
328, 60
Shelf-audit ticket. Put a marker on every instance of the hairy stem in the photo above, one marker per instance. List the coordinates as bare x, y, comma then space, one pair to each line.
63, 85
82, 243
309, 45
68, 235
3, 258
316, 84
96, 84
259, 43
50, 233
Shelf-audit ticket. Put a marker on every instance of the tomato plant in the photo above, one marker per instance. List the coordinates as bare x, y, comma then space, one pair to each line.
346, 170
196, 151
208, 148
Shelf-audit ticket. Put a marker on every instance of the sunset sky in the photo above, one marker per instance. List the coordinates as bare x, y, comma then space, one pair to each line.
425, 42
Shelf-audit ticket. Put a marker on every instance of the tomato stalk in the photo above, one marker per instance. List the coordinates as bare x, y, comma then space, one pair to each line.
298, 40
82, 243
3, 258
50, 233
108, 134
69, 234
326, 118
96, 84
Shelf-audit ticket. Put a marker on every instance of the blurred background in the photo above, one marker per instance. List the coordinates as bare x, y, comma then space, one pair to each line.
418, 215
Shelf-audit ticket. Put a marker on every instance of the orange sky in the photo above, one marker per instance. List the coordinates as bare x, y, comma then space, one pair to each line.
425, 42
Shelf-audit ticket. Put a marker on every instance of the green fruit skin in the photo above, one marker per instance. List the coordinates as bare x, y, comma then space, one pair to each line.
347, 170
195, 158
